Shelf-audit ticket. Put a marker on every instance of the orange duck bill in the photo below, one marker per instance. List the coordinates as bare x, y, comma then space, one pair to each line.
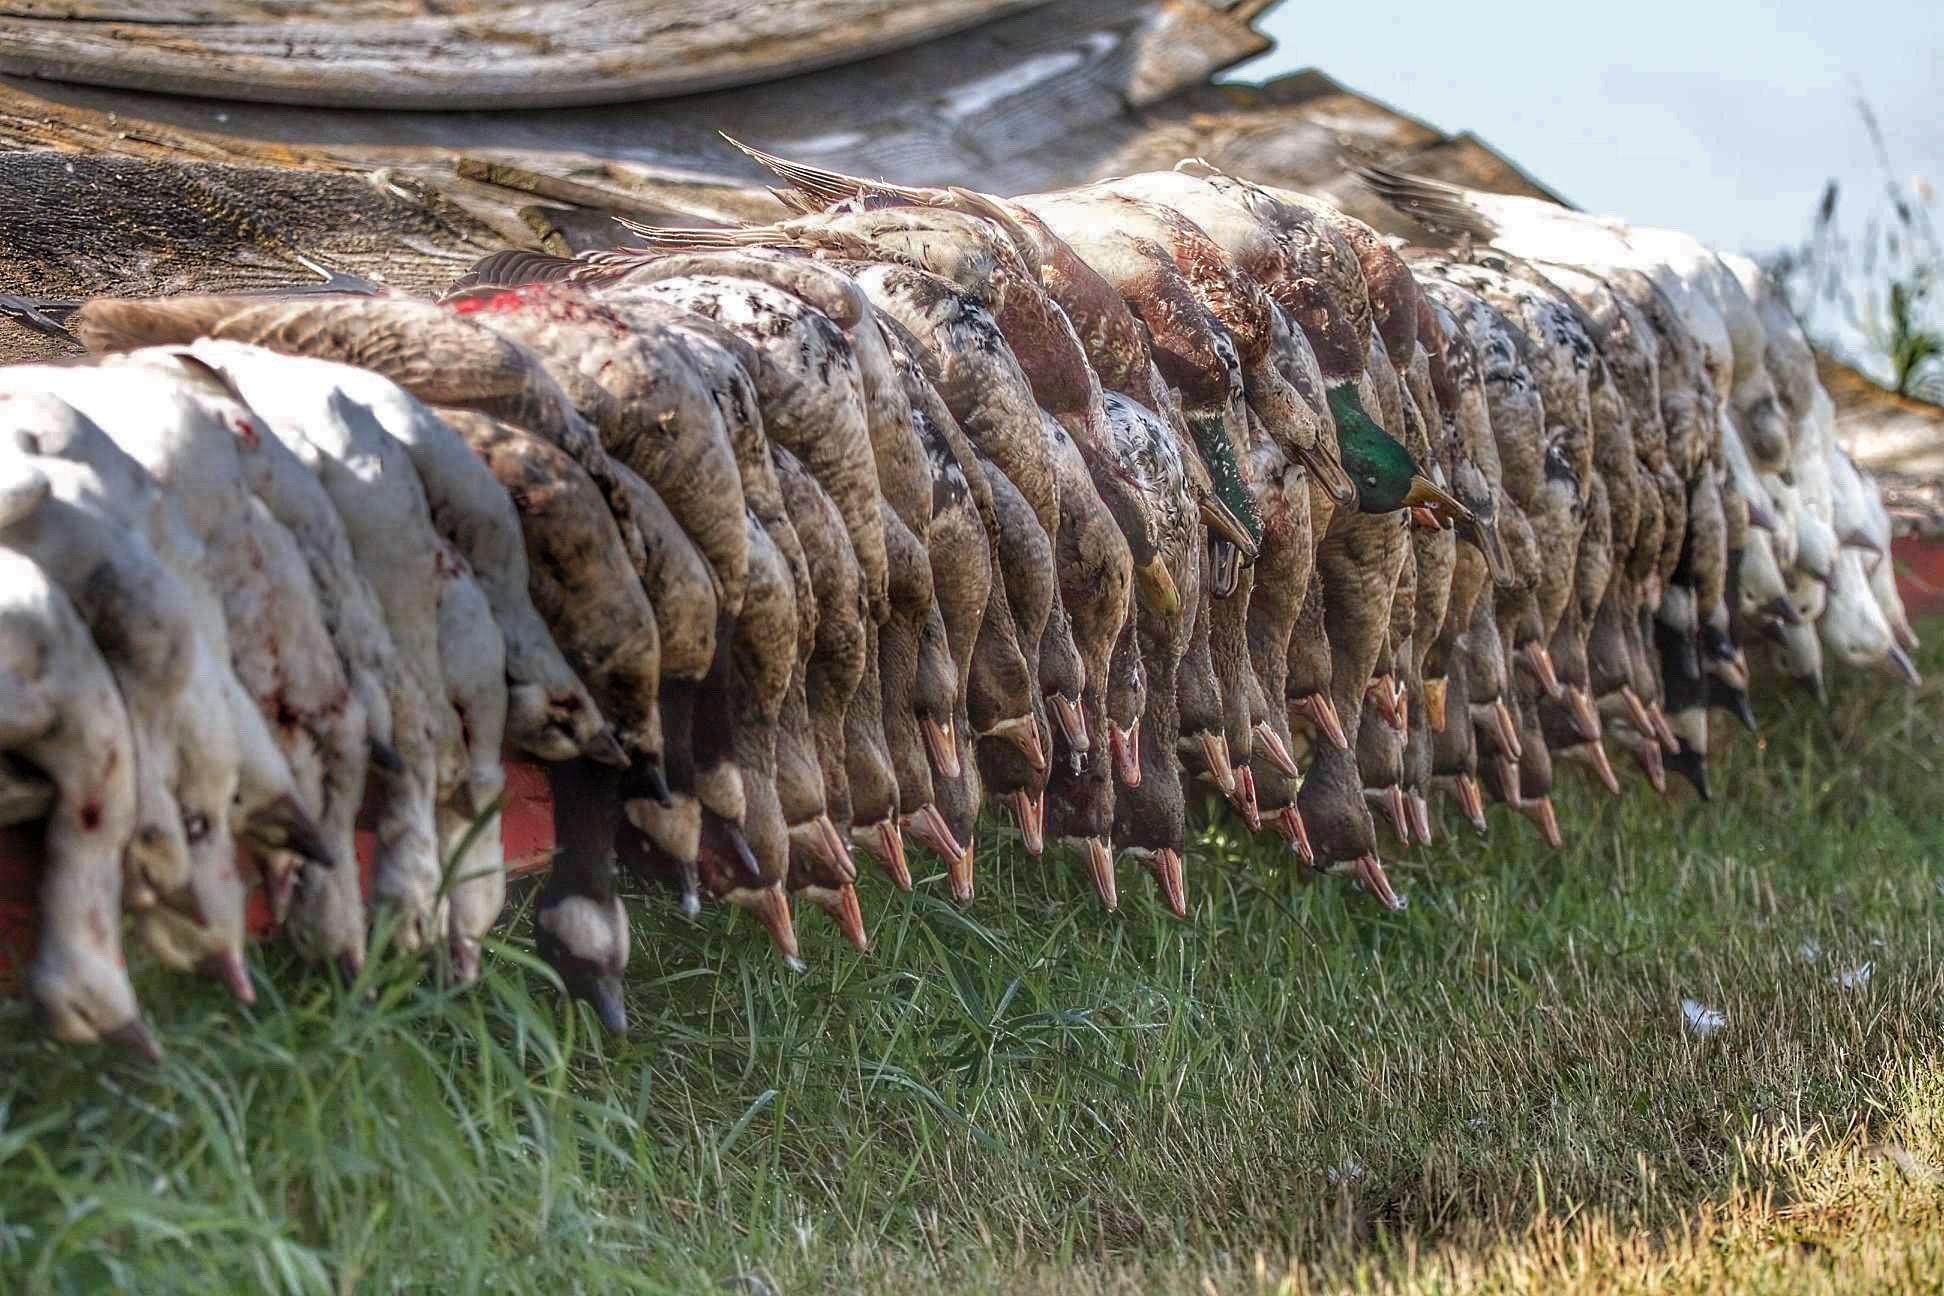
929, 829
941, 745
1215, 754
1100, 869
1508, 730
1295, 833
1637, 712
1170, 876
1369, 871
844, 910
1023, 732
1126, 746
1540, 811
1274, 749
883, 843
1434, 703
1420, 817
772, 909
1387, 695
1540, 663
1030, 811
1073, 728
1472, 802
1321, 714
1586, 720
1244, 798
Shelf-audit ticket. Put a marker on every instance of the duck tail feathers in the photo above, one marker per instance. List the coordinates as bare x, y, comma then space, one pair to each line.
1432, 203
824, 188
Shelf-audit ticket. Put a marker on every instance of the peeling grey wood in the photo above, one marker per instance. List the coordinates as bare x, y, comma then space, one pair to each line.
396, 54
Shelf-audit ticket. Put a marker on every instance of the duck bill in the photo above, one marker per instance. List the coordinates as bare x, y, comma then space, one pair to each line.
1244, 799
1023, 733
1508, 777
229, 968
1223, 525
1540, 663
603, 747
1425, 520
1399, 814
1648, 754
883, 843
844, 910
739, 852
1073, 728
1905, 636
1586, 720
1215, 754
929, 829
133, 1037
1594, 756
283, 826
184, 901
958, 872
1295, 833
1780, 609
1329, 474
1420, 817
604, 997
1126, 746
1637, 713
1434, 703
1171, 877
1663, 730
1540, 811
1030, 811
1321, 713
1275, 749
839, 854
279, 872
808, 842
465, 958
1897, 663
1369, 872
1100, 868
1508, 730
1158, 592
772, 909
1856, 539
941, 744
1439, 503
1471, 800
1386, 695
1484, 537
1691, 765
1225, 567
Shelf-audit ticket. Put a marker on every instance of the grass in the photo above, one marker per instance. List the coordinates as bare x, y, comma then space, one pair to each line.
1492, 1091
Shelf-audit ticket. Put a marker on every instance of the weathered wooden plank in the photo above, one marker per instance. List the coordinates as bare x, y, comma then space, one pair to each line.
384, 54
79, 226
973, 108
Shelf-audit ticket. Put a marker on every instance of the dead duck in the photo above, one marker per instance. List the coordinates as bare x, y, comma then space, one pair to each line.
228, 765
279, 647
579, 926
1150, 812
65, 719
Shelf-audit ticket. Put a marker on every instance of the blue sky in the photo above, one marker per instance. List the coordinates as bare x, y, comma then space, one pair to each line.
1720, 117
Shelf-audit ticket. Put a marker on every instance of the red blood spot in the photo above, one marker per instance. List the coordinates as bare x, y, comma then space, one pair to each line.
500, 301
246, 431
91, 815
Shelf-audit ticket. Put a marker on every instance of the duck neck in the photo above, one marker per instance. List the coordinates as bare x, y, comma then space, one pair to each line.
1225, 472
1375, 460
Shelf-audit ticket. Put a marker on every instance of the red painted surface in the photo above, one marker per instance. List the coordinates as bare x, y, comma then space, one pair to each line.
1920, 574
526, 828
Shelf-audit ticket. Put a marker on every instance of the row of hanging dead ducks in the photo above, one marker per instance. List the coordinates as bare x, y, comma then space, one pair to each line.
797, 545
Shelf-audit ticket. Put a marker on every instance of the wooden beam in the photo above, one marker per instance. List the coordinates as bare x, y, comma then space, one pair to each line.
394, 54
